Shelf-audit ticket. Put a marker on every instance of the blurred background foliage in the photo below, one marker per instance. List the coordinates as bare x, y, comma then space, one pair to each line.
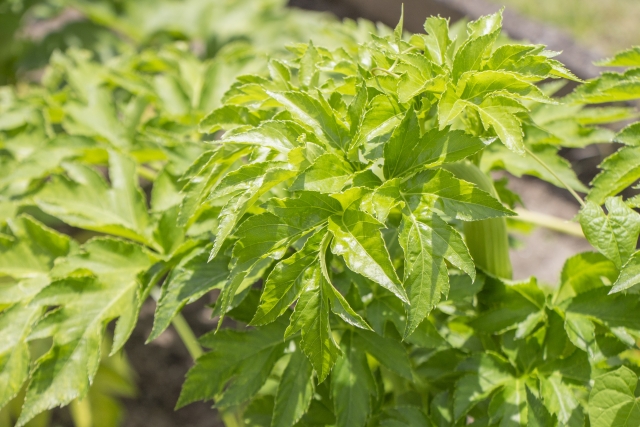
606, 25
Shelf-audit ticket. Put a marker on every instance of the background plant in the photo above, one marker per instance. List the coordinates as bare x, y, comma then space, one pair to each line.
344, 183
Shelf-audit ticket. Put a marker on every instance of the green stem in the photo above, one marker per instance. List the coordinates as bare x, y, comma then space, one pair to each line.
548, 221
147, 173
544, 165
384, 70
187, 336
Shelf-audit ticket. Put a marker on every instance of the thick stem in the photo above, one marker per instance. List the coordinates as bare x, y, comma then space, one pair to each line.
487, 240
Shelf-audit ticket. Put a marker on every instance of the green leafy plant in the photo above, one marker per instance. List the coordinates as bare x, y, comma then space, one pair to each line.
339, 200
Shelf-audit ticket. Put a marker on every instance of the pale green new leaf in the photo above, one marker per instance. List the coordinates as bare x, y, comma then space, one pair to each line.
582, 273
437, 40
508, 407
227, 118
32, 252
561, 401
278, 135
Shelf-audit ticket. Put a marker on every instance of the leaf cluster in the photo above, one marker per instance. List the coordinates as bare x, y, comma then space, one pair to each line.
336, 197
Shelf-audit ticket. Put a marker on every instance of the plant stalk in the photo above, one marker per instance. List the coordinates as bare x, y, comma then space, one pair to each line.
547, 221
487, 240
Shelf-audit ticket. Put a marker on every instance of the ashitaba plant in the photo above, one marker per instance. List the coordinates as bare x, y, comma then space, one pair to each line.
339, 202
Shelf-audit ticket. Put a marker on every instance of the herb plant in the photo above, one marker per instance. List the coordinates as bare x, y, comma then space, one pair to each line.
338, 199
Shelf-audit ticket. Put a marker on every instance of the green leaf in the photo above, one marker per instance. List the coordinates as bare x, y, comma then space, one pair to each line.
309, 73
442, 191
619, 171
358, 240
287, 281
609, 87
15, 326
509, 405
328, 174
405, 416
613, 311
279, 135
295, 391
117, 265
33, 250
202, 175
470, 55
425, 271
626, 58
537, 414
380, 118
86, 201
615, 235
498, 157
561, 401
504, 123
483, 374
406, 151
582, 273
245, 186
483, 83
236, 368
612, 401
315, 115
260, 238
186, 283
388, 351
227, 118
629, 275
352, 385
311, 316
629, 135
